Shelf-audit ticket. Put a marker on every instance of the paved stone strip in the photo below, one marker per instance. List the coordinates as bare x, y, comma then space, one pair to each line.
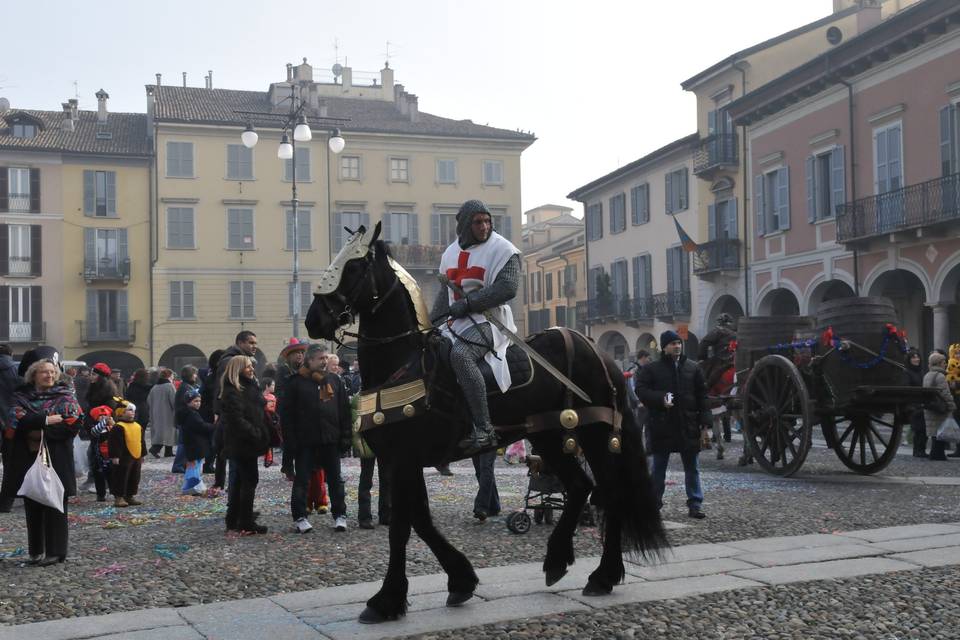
517, 591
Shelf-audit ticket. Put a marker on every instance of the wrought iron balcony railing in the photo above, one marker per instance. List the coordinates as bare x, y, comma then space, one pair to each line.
417, 256
717, 255
671, 303
20, 332
918, 205
124, 332
716, 150
641, 308
18, 203
106, 269
19, 266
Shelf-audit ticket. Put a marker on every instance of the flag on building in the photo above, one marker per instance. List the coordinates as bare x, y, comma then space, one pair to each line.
685, 241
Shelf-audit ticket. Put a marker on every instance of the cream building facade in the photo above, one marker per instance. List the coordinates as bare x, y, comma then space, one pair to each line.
223, 234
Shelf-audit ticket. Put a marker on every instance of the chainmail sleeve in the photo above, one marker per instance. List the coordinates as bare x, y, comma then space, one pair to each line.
441, 306
503, 289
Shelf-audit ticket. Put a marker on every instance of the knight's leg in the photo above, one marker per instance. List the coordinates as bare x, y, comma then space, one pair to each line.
464, 356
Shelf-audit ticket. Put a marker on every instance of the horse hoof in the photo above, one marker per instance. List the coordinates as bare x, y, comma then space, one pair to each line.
593, 589
457, 598
372, 616
553, 576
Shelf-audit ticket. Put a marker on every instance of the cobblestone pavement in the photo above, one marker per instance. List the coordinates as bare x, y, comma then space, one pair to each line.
172, 552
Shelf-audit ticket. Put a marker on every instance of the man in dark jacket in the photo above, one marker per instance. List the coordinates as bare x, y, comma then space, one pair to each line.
245, 344
315, 417
9, 381
673, 391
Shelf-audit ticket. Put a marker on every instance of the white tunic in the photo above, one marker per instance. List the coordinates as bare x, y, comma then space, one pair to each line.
473, 268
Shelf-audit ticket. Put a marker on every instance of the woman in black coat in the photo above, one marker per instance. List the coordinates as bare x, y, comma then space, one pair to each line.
246, 437
44, 411
913, 376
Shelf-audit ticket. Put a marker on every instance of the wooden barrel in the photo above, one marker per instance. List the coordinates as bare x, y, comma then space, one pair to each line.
755, 334
863, 321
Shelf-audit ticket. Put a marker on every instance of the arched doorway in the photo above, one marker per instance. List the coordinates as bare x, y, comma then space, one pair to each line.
125, 362
691, 346
648, 343
826, 291
779, 302
614, 344
180, 355
909, 298
724, 304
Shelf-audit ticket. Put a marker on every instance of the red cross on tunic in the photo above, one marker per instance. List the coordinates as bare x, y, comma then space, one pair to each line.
463, 272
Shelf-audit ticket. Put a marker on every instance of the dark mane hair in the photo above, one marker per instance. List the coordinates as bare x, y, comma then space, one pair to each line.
382, 246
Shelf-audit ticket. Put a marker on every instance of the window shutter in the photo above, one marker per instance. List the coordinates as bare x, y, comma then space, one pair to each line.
414, 228
684, 189
111, 193
248, 307
668, 191
783, 197
337, 232
811, 168
175, 298
36, 245
89, 192
306, 232
947, 137
122, 251
385, 230
647, 276
758, 205
634, 206
4, 189
234, 232
186, 305
235, 309
5, 249
4, 312
711, 122
91, 313
506, 231
684, 269
123, 319
732, 225
635, 264
837, 180
434, 228
599, 221
34, 190
670, 270
365, 220
711, 222
186, 158
90, 249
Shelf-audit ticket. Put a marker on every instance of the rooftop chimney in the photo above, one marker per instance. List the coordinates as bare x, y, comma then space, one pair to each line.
289, 72
158, 79
102, 106
74, 106
413, 107
67, 124
347, 79
386, 80
184, 78
397, 94
210, 77
404, 103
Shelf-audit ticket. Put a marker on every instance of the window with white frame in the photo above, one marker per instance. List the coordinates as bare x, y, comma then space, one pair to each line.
240, 229
825, 184
501, 223
446, 171
239, 162
179, 159
180, 228
618, 213
443, 228
678, 270
351, 220
492, 172
182, 300
642, 278
18, 250
722, 220
18, 189
349, 167
949, 140
771, 200
399, 170
19, 306
305, 298
399, 227
677, 195
304, 234
618, 279
888, 176
303, 166
241, 299
100, 193
107, 314
24, 130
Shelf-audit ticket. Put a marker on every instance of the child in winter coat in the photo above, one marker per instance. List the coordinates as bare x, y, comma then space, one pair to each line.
102, 418
273, 421
196, 434
128, 448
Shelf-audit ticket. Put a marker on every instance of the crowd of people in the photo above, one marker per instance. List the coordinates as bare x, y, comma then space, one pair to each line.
216, 424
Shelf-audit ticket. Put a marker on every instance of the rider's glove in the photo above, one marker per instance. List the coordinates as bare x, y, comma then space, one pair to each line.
460, 308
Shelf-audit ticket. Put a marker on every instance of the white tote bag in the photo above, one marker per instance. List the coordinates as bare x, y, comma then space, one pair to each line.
42, 484
949, 431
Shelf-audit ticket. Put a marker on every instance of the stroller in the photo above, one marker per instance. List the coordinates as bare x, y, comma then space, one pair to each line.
545, 493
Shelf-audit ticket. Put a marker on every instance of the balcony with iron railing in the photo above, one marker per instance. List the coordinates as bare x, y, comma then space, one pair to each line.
25, 332
717, 256
715, 151
671, 304
18, 203
19, 266
417, 256
106, 269
120, 332
641, 309
913, 207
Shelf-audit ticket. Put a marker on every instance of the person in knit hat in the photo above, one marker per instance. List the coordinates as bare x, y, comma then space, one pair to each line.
933, 417
101, 420
196, 434
675, 395
127, 447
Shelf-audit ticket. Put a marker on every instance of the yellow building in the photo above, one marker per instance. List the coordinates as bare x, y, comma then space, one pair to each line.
74, 237
223, 231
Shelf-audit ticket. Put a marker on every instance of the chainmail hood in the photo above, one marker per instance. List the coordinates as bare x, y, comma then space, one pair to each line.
465, 220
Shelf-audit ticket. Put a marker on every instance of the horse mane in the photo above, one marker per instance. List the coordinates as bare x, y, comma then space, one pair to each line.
382, 247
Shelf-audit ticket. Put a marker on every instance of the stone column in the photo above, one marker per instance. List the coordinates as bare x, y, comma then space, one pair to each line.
941, 326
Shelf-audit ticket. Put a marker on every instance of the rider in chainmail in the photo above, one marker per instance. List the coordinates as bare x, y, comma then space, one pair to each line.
474, 226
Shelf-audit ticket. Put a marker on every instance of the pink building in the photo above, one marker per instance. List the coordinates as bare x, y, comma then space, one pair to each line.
854, 161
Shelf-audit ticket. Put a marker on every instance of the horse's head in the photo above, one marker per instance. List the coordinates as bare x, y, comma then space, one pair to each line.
349, 286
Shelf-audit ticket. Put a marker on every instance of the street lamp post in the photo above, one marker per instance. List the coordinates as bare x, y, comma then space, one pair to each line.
295, 122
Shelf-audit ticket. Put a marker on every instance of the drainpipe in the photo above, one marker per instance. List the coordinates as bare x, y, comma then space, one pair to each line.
586, 259
154, 197
853, 181
743, 187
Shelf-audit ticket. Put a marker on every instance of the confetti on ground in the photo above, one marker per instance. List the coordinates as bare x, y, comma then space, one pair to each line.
19, 551
170, 551
109, 570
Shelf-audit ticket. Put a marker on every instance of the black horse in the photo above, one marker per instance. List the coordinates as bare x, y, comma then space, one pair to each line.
394, 343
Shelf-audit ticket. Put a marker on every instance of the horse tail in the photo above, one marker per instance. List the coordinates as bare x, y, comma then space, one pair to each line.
635, 498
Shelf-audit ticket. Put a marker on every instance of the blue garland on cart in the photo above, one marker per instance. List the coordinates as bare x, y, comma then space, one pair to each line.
828, 338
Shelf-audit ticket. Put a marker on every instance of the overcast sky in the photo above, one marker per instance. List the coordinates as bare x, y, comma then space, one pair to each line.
597, 82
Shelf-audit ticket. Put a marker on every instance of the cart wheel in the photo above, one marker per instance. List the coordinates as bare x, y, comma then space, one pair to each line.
518, 522
776, 415
866, 443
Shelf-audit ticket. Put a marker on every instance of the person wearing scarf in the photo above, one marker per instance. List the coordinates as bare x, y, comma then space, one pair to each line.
42, 410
